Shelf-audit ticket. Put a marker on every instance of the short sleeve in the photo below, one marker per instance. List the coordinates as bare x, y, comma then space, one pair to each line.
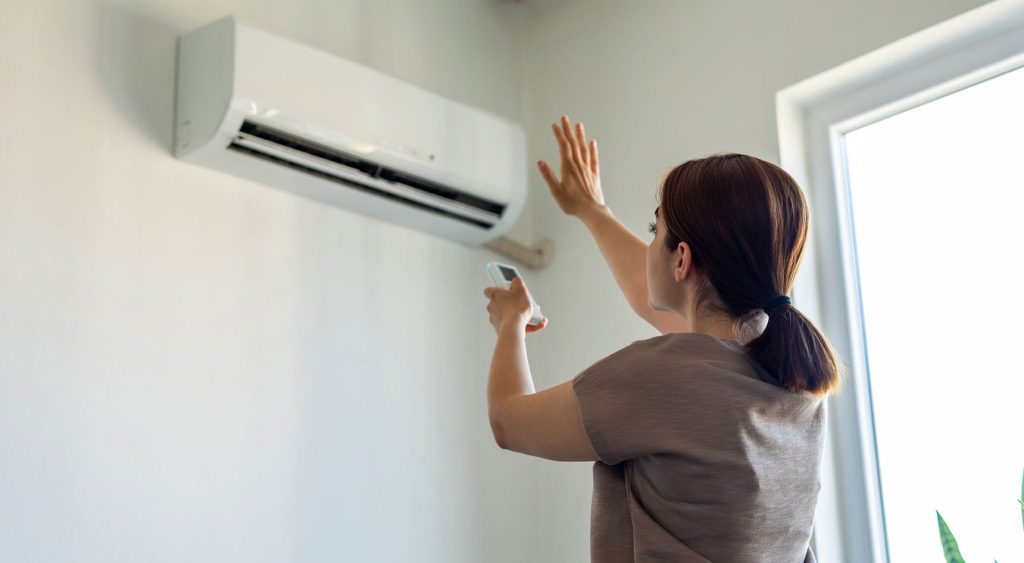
629, 402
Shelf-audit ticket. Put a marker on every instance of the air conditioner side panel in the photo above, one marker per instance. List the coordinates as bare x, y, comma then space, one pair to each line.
205, 81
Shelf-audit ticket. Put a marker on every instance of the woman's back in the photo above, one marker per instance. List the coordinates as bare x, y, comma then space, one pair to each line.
704, 455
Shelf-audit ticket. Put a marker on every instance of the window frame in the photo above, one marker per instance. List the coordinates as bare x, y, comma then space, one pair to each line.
813, 116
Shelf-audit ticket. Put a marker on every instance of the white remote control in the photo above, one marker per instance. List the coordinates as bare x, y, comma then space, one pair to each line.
502, 276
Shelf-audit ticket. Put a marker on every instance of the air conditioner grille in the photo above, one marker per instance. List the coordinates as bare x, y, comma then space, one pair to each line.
363, 187
369, 167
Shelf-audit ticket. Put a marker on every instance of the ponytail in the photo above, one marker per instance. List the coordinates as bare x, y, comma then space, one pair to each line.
793, 350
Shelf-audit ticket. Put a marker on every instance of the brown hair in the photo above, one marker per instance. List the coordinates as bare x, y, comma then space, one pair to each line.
746, 222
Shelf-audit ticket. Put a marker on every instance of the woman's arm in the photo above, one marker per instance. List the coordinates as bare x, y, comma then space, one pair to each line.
626, 255
579, 194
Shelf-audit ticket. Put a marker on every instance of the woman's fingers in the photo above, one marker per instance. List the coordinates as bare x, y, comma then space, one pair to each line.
543, 323
574, 150
580, 169
567, 138
594, 167
581, 140
549, 176
576, 158
563, 147
575, 145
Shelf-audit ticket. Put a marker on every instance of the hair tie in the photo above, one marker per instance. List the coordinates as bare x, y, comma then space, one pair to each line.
775, 302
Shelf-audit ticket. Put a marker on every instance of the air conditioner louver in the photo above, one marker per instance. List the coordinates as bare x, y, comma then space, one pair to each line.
355, 172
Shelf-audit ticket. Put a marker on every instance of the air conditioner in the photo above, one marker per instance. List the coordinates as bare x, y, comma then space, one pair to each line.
291, 116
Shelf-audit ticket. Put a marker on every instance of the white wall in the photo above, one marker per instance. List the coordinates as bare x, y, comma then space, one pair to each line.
657, 83
198, 368
194, 367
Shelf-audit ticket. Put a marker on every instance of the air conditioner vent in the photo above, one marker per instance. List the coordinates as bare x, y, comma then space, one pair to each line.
259, 140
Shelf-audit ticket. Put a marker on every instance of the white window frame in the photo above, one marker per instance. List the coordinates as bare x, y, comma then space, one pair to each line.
813, 116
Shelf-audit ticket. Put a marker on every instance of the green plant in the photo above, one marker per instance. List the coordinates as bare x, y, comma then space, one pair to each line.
949, 545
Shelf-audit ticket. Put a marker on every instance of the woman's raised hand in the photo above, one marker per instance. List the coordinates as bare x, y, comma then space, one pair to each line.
579, 191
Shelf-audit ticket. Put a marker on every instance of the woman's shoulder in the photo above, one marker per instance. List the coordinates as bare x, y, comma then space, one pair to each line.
664, 353
676, 352
702, 355
696, 341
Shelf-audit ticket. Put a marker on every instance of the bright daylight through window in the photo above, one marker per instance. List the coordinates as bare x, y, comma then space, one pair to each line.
937, 196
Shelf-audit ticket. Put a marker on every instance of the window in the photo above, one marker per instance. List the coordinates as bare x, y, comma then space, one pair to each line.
937, 194
882, 147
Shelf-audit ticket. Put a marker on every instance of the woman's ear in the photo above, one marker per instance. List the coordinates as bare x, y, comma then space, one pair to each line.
683, 262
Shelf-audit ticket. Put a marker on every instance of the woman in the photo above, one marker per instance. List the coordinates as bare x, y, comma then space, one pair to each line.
707, 440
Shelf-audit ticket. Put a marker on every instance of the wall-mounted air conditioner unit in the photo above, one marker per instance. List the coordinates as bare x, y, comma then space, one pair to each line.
291, 116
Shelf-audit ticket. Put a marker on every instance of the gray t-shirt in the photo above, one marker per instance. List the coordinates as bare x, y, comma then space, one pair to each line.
704, 456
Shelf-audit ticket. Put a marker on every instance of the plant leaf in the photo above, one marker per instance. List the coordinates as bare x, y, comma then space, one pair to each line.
949, 545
